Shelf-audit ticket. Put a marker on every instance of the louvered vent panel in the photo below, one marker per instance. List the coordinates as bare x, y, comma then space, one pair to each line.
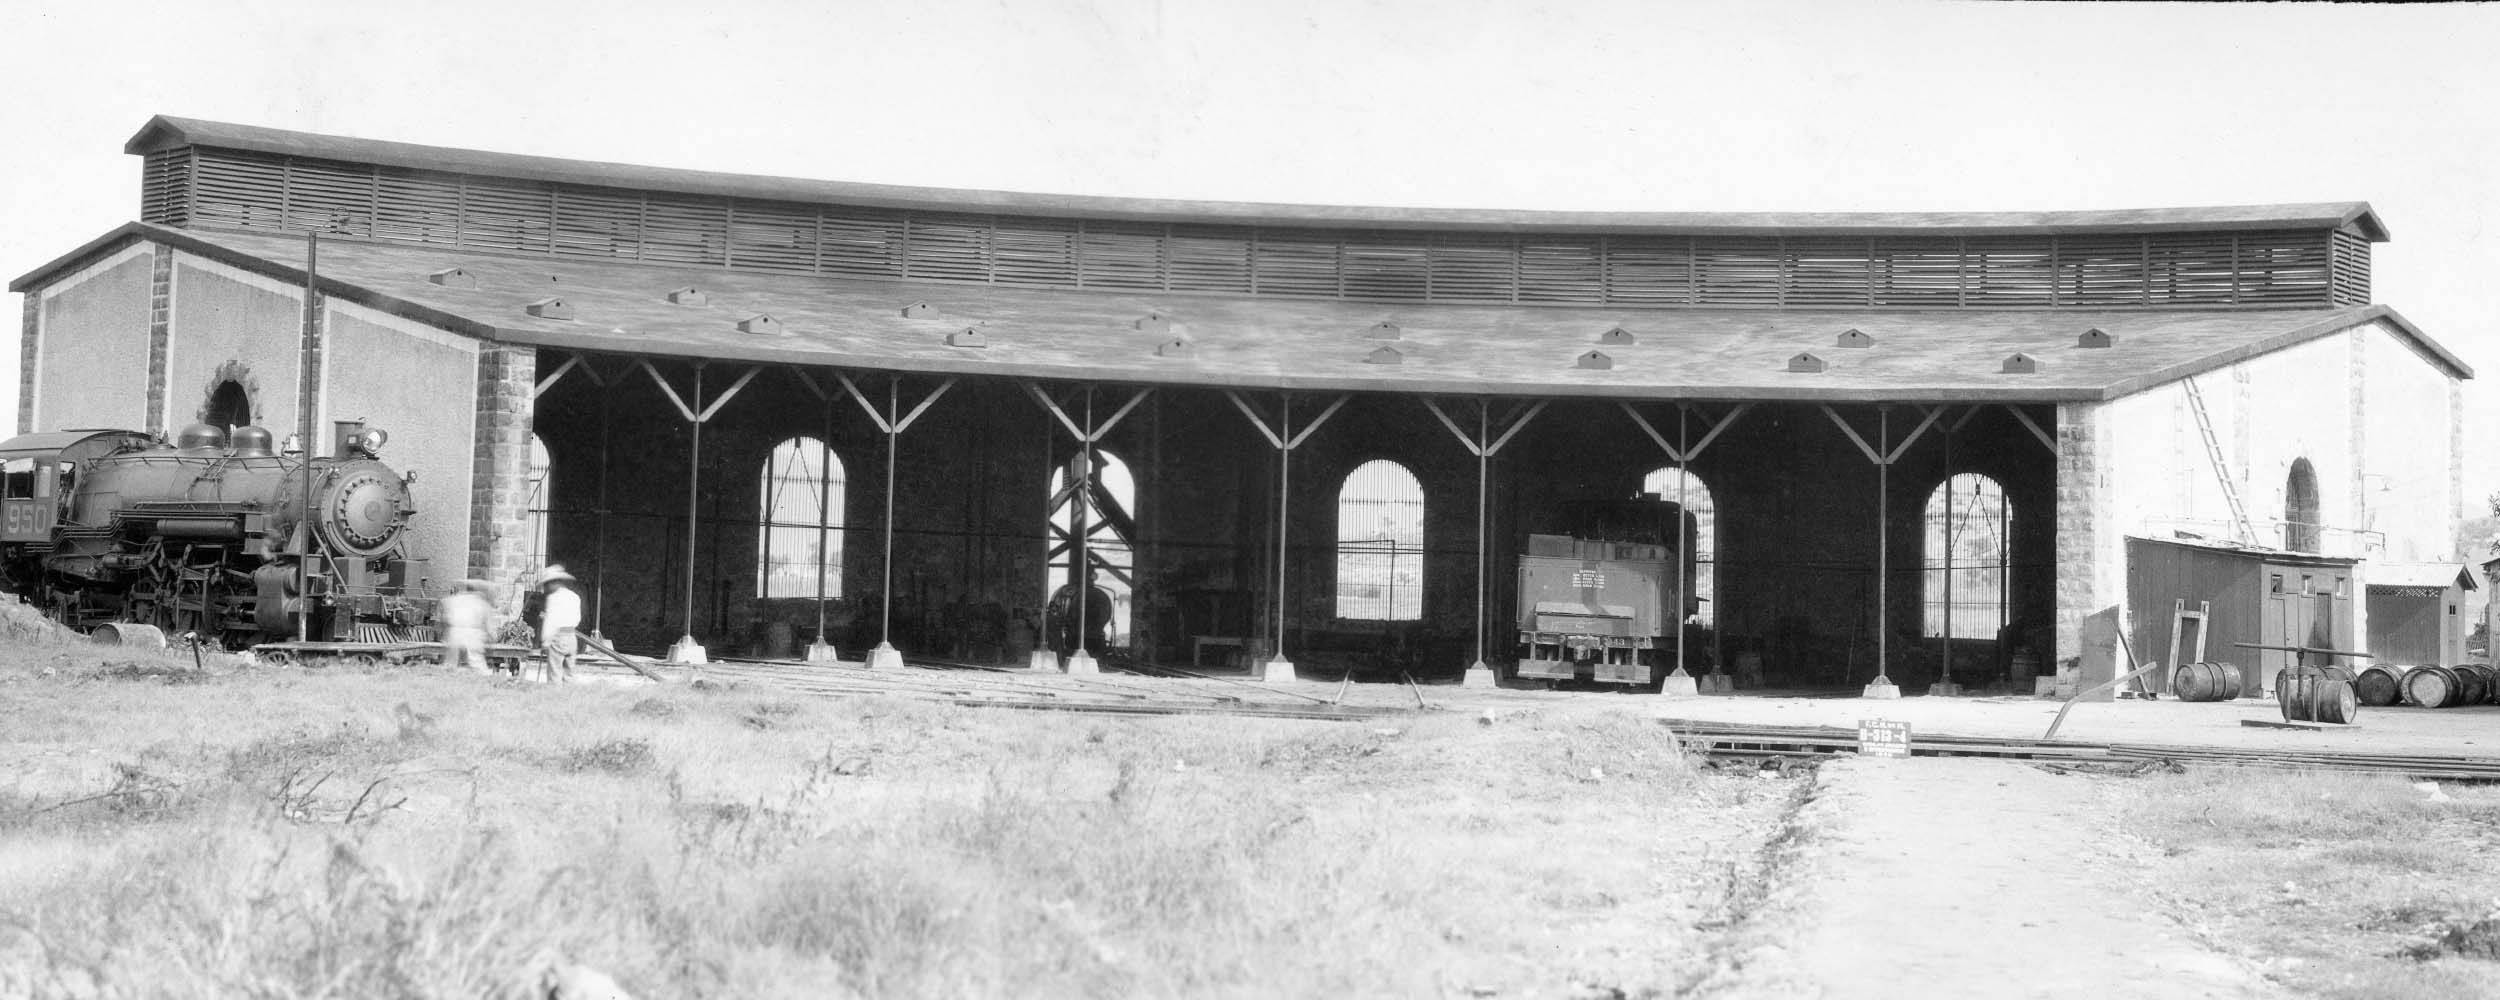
2189, 269
1121, 255
1737, 272
417, 207
598, 222
1649, 270
1824, 272
2289, 268
1387, 267
2100, 270
2352, 269
2012, 271
949, 247
1300, 264
330, 196
685, 230
1561, 269
165, 190
1916, 273
1034, 252
1208, 259
232, 188
862, 242
770, 236
1470, 268
504, 215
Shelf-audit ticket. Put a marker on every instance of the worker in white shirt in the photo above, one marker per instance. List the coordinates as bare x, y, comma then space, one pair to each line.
464, 612
559, 621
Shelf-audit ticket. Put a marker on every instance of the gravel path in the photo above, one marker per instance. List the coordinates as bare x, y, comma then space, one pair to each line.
1958, 877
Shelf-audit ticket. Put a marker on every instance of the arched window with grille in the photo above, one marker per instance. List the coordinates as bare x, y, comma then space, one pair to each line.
1109, 516
1966, 548
1380, 544
541, 489
1670, 483
799, 535
2300, 508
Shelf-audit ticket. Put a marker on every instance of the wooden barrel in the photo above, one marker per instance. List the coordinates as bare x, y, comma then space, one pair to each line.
2205, 681
2432, 687
2476, 680
2316, 694
2378, 687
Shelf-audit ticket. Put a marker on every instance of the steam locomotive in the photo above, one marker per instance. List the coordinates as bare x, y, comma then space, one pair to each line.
213, 534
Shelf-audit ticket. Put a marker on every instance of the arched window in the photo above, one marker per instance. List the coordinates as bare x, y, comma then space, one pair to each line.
2300, 508
1107, 518
799, 537
1966, 553
540, 490
1700, 524
1380, 544
228, 407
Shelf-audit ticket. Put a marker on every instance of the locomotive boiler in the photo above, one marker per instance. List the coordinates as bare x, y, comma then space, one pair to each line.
1598, 592
214, 535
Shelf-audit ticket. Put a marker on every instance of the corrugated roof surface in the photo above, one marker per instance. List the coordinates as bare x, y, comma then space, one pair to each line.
164, 132
1283, 343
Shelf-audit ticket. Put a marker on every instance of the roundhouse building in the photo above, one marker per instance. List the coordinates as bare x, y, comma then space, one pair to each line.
773, 410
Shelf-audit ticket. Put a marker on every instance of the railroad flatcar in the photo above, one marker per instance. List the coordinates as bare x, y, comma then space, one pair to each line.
213, 534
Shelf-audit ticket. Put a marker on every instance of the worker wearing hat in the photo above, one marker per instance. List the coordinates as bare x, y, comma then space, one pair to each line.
559, 621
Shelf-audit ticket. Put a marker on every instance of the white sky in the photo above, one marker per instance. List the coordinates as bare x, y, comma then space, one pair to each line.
1571, 104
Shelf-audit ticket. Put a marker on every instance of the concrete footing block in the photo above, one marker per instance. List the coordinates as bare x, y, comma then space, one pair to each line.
1945, 689
1480, 675
1883, 689
1679, 683
1278, 671
820, 652
885, 657
687, 651
1718, 684
1043, 661
1082, 663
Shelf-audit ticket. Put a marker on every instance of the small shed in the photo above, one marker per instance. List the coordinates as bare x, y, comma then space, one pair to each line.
2259, 596
2417, 611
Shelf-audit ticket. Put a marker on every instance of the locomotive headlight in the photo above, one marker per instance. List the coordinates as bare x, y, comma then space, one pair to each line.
375, 437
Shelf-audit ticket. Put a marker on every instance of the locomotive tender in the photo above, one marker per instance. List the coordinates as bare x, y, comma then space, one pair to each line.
208, 535
1597, 597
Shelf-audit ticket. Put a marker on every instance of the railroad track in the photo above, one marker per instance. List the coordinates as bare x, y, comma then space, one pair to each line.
1805, 741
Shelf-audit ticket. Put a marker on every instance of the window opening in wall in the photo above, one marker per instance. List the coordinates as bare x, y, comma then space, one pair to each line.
799, 537
2300, 508
2274, 583
538, 505
19, 474
1104, 517
1700, 525
1968, 526
1380, 544
229, 406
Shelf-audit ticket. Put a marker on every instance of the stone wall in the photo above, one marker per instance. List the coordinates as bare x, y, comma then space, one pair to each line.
499, 552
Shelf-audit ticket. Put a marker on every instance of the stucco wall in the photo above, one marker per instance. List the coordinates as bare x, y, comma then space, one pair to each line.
227, 322
92, 349
416, 383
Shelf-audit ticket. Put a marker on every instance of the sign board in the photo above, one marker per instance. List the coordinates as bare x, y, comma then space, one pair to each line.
1883, 738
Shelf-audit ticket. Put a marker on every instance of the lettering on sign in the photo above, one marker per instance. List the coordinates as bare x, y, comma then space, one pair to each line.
1587, 579
1883, 738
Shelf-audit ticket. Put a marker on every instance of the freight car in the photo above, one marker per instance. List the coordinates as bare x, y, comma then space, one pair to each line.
216, 535
1597, 596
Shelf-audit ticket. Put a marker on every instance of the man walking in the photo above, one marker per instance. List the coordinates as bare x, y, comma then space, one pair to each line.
558, 622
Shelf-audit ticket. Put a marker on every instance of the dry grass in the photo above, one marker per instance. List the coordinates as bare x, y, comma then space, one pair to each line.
2342, 886
413, 834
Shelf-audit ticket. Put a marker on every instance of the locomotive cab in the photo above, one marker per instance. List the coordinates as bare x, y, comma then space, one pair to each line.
39, 473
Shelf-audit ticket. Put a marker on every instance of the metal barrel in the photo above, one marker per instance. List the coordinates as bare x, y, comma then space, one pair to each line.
2316, 694
2476, 681
128, 634
2378, 686
2205, 681
2432, 687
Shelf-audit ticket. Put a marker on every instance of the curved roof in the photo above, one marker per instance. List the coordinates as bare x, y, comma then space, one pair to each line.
165, 132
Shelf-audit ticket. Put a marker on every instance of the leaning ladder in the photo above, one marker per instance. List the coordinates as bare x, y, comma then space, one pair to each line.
2222, 469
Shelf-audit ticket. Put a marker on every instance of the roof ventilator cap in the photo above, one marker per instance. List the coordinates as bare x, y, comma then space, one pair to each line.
1853, 337
453, 277
688, 296
759, 323
1385, 355
970, 336
920, 310
1805, 361
550, 309
2093, 338
1383, 330
1177, 347
2020, 364
1595, 361
1156, 323
1616, 337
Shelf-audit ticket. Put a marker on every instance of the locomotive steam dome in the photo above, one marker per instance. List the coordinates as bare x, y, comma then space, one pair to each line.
362, 509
